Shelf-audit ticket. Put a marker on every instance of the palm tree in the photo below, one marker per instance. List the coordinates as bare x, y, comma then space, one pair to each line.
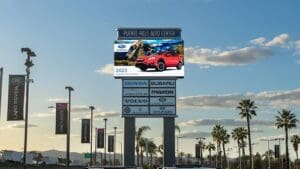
239, 134
225, 140
188, 156
286, 120
202, 147
217, 137
247, 110
138, 138
295, 139
210, 147
152, 149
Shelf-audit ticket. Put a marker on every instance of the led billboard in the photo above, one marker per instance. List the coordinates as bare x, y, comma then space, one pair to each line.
144, 56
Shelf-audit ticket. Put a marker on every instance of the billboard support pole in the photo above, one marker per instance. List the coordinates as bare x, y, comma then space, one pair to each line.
28, 64
169, 142
129, 140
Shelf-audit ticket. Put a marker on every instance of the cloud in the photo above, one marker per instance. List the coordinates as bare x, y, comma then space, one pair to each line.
17, 126
80, 108
225, 122
99, 114
218, 57
58, 100
106, 69
258, 41
119, 131
268, 98
297, 49
43, 115
193, 134
279, 40
106, 114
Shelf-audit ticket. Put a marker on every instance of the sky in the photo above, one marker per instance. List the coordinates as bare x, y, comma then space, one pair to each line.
233, 50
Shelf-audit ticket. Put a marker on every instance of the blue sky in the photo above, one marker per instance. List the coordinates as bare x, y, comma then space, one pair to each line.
234, 49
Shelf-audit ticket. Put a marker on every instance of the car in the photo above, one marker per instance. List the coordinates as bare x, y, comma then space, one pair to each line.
160, 61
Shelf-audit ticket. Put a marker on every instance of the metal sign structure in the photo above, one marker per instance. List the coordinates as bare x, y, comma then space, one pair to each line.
149, 98
149, 61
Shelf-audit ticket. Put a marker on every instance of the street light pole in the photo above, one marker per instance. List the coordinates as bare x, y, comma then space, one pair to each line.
28, 64
70, 89
105, 120
115, 128
91, 151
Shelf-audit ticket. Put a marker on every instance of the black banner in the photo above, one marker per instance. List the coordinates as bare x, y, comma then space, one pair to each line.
277, 151
197, 150
148, 33
100, 138
85, 131
61, 118
16, 91
1, 81
111, 141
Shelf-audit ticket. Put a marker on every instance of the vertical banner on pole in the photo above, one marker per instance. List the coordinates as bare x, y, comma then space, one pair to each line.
85, 131
277, 151
16, 89
100, 138
1, 81
111, 140
197, 150
61, 118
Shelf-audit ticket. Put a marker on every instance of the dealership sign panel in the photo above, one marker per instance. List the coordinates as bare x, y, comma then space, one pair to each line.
16, 91
61, 118
153, 52
85, 131
149, 98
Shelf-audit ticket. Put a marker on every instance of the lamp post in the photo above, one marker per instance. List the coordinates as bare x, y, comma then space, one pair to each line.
201, 146
28, 64
115, 130
268, 140
70, 89
105, 120
280, 159
178, 137
91, 151
253, 155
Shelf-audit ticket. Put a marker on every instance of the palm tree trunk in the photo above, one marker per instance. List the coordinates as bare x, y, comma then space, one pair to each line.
249, 139
225, 158
142, 158
240, 160
151, 159
287, 147
219, 154
137, 155
244, 158
209, 157
297, 159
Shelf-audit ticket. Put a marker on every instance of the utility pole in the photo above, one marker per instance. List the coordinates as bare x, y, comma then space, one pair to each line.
28, 64
91, 151
70, 89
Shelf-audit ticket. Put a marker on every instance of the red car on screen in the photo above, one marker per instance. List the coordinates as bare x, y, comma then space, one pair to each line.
159, 61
